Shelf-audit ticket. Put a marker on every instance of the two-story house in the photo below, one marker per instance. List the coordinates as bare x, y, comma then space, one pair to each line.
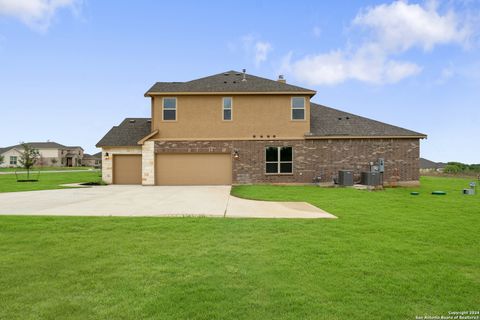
236, 128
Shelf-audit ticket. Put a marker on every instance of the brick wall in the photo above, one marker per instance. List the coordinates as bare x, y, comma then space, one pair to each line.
311, 158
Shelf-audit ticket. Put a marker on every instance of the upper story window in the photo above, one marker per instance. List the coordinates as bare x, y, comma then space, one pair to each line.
278, 160
169, 109
13, 160
298, 108
227, 108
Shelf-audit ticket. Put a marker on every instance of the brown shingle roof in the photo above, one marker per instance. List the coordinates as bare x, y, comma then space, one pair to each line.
42, 145
428, 164
128, 133
229, 81
325, 121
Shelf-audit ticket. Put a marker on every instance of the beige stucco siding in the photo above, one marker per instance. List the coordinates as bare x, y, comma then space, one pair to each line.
7, 155
48, 153
201, 117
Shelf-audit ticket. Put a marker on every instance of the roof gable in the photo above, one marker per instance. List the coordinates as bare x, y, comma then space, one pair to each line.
229, 81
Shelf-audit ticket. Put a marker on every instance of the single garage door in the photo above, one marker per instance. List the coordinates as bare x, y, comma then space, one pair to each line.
127, 169
193, 169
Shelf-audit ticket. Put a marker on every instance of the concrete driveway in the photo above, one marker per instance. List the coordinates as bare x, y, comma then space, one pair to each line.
115, 200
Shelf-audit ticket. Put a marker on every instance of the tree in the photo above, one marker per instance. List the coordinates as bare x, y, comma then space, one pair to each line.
1, 159
28, 158
54, 161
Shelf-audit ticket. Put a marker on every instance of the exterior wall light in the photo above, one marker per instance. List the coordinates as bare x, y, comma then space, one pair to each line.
235, 154
107, 156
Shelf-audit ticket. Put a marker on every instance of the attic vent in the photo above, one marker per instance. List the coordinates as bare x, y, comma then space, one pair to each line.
234, 81
226, 74
132, 120
237, 74
224, 81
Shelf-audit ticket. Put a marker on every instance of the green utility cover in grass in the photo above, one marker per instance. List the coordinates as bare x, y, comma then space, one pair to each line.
439, 193
414, 193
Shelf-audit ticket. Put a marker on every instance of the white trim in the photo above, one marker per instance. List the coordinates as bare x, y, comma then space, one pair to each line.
176, 109
296, 108
231, 109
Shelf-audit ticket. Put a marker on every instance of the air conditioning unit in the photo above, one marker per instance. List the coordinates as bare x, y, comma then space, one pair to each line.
371, 178
345, 178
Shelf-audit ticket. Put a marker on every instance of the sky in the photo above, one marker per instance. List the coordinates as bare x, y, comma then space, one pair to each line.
72, 69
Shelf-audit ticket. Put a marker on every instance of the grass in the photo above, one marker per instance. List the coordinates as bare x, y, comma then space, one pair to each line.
45, 169
390, 255
47, 181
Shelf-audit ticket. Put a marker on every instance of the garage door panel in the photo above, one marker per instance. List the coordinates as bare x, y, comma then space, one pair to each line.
127, 169
193, 169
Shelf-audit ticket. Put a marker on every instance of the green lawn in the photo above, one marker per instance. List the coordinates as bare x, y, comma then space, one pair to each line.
390, 255
45, 169
52, 180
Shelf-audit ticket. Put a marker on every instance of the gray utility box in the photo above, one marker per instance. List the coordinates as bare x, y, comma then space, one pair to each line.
371, 178
469, 191
345, 178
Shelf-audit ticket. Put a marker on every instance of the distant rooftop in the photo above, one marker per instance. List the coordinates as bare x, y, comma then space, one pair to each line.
41, 145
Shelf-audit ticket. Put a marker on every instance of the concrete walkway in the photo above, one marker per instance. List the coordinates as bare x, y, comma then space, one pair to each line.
113, 200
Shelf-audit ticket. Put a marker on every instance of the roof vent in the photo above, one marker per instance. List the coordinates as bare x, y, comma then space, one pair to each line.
281, 79
244, 75
149, 121
132, 121
226, 74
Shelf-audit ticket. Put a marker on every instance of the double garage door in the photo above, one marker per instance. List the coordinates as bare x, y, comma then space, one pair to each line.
176, 169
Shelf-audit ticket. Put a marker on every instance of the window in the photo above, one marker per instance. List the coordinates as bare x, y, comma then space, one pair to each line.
298, 108
278, 160
170, 109
227, 108
13, 160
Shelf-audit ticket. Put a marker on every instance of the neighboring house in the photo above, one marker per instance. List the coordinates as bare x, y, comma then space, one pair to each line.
51, 154
94, 160
236, 128
429, 166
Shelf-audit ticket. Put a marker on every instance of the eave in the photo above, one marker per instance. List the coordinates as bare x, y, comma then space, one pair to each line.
309, 93
364, 137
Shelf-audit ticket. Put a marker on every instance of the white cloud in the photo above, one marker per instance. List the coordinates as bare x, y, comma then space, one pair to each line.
393, 29
399, 26
37, 14
262, 49
337, 66
256, 49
